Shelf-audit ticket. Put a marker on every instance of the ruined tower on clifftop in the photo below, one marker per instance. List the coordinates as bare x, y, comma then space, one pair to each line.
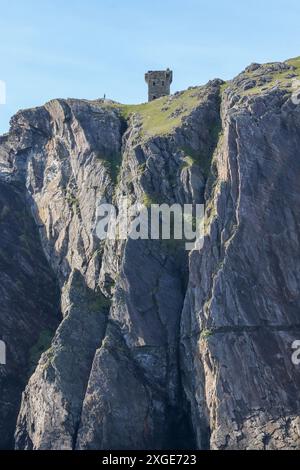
159, 82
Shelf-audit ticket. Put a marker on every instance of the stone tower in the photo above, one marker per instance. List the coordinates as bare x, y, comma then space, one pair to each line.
159, 82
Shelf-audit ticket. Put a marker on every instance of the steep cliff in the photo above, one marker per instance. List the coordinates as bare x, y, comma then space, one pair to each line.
157, 347
29, 303
241, 314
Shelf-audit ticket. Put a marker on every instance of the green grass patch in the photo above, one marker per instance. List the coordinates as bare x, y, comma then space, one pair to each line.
99, 302
113, 164
161, 116
148, 200
202, 159
43, 344
206, 333
73, 202
224, 86
188, 162
280, 79
295, 63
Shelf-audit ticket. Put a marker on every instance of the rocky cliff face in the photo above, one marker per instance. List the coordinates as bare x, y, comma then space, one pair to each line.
29, 303
155, 347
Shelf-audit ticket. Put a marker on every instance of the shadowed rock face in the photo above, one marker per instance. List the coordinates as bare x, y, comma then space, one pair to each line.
158, 349
29, 309
244, 285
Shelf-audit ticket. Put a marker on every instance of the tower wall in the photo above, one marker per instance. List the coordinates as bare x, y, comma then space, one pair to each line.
159, 83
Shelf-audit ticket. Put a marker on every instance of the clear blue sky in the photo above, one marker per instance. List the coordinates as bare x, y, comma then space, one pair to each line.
85, 48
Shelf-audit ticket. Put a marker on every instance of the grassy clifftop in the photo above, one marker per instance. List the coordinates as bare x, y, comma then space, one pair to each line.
161, 116
164, 115
257, 79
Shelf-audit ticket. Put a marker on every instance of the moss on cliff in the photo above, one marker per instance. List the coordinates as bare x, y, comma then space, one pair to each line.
43, 344
282, 78
295, 63
112, 163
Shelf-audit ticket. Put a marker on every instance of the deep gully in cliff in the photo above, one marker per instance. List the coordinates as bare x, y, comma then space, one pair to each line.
185, 433
204, 427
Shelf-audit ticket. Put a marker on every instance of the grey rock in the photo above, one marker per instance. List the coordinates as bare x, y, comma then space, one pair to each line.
66, 174
241, 314
29, 309
157, 348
